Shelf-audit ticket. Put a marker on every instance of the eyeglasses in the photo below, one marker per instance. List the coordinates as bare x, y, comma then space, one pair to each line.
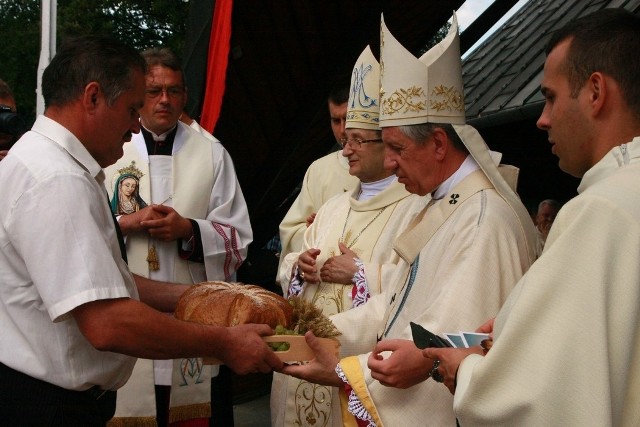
355, 143
172, 92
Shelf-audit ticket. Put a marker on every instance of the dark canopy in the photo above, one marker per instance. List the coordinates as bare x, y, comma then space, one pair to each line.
285, 55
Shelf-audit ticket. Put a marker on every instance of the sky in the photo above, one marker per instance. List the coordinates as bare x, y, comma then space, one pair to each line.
471, 9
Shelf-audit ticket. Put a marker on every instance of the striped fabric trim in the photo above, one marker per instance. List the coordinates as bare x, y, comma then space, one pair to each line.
230, 246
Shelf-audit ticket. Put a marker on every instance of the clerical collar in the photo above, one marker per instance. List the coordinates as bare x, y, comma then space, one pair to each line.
162, 144
371, 189
466, 168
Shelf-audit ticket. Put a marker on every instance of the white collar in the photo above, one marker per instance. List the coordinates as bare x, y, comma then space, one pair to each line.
62, 136
467, 167
371, 189
162, 136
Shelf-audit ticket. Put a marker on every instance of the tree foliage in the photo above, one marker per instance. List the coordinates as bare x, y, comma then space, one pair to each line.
140, 23
437, 38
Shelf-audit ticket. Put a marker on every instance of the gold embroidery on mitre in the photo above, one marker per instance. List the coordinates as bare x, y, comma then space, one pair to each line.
355, 116
405, 100
447, 98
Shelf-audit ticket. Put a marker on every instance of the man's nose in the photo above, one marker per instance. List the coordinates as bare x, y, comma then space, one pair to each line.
164, 96
389, 161
347, 150
543, 120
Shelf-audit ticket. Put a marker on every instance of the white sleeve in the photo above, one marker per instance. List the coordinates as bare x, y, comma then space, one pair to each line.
226, 232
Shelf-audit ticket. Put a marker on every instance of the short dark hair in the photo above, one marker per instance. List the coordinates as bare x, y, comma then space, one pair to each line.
86, 59
607, 41
421, 132
339, 91
164, 57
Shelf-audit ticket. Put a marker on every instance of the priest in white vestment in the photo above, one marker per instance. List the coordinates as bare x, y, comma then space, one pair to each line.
196, 229
566, 347
466, 249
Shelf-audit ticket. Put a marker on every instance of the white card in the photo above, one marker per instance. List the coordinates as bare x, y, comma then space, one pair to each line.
456, 340
473, 338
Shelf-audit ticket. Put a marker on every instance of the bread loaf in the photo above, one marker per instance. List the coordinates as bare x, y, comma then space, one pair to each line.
230, 304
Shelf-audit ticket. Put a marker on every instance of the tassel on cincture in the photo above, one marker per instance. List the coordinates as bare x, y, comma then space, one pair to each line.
152, 259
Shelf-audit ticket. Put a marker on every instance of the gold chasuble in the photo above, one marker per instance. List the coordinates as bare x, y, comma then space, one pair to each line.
325, 178
369, 228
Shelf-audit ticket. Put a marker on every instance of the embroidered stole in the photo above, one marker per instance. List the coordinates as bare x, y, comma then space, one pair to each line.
191, 381
189, 185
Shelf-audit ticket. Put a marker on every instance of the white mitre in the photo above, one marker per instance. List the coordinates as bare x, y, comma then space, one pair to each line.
430, 90
363, 108
425, 90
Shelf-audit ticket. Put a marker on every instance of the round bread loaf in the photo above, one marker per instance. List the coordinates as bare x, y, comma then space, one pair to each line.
230, 304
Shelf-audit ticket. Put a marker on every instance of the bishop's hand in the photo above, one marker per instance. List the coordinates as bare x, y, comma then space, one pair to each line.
340, 268
321, 369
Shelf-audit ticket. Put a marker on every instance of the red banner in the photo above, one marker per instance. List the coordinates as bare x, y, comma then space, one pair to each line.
217, 63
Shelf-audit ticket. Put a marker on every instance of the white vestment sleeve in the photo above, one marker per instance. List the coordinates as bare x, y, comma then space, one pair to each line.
566, 346
293, 224
325, 178
310, 237
226, 232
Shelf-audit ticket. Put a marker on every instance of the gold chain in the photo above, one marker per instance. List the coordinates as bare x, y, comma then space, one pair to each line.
355, 239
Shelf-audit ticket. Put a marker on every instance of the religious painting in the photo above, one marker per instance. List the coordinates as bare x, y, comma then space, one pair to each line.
126, 191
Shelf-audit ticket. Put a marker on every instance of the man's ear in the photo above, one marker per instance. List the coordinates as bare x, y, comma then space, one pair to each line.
92, 96
441, 143
598, 92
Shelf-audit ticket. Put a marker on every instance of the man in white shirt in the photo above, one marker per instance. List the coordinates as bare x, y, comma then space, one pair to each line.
72, 319
545, 215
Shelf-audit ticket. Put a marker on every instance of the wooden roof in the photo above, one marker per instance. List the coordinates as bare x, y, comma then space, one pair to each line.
503, 75
502, 92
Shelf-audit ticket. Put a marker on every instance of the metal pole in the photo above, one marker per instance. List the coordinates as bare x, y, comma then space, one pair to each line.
48, 24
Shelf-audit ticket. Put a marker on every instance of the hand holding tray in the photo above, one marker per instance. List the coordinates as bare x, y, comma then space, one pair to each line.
298, 351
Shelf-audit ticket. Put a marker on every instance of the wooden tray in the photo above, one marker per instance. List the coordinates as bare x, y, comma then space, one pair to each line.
298, 351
